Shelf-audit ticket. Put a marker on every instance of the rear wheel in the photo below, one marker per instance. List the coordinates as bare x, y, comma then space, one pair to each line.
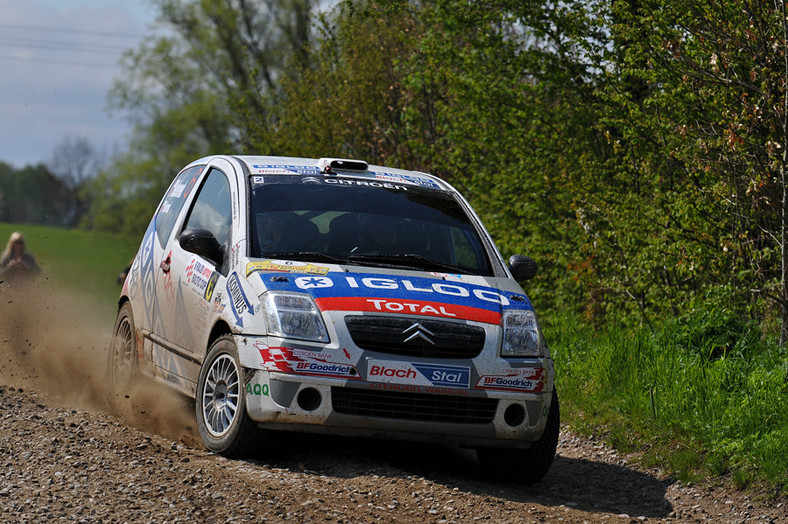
525, 466
222, 421
122, 361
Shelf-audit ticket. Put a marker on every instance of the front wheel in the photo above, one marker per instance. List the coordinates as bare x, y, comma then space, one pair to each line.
222, 421
525, 466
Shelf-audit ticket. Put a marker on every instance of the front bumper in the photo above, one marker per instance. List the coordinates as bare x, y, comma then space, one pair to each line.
351, 404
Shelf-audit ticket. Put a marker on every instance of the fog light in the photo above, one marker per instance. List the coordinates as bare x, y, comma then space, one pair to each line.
514, 415
309, 399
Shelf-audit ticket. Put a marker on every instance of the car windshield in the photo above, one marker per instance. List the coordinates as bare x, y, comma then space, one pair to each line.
363, 222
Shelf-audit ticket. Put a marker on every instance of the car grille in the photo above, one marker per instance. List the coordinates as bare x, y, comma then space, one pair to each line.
388, 335
413, 406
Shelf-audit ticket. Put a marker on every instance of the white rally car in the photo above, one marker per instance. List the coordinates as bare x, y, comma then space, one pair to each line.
328, 295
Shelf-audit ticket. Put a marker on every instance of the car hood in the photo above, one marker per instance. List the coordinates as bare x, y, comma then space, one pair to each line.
377, 290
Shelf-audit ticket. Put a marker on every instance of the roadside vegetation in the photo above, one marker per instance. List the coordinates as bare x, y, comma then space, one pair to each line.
636, 149
704, 396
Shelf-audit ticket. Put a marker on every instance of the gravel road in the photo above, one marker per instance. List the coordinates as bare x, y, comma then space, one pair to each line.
70, 452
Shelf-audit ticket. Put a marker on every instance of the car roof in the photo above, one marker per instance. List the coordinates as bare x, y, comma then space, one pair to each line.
280, 165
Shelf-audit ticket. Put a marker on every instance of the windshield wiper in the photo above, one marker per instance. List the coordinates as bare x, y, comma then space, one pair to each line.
405, 261
307, 256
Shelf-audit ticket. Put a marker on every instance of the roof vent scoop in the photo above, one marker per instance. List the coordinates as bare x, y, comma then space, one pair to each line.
328, 165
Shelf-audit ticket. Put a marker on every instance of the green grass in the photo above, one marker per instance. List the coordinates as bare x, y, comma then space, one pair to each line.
77, 260
704, 395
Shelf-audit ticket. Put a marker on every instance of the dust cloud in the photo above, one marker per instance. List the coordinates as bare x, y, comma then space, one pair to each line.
56, 343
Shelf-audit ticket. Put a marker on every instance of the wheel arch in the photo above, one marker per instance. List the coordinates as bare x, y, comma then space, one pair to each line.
122, 300
221, 328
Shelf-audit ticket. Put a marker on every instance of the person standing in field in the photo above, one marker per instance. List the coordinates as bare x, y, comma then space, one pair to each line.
16, 264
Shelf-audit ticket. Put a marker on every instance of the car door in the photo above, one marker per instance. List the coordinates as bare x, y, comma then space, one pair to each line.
146, 287
189, 281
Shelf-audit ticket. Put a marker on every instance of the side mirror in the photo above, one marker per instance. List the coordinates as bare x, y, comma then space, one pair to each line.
201, 242
522, 267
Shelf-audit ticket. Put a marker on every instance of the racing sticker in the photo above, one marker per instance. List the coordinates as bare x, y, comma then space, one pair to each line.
260, 390
218, 306
183, 184
328, 369
273, 169
412, 179
446, 275
418, 373
411, 295
240, 304
524, 380
235, 253
366, 183
147, 275
408, 307
315, 363
285, 266
211, 286
200, 277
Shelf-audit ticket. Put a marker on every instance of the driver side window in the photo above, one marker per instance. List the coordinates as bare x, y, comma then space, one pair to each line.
212, 208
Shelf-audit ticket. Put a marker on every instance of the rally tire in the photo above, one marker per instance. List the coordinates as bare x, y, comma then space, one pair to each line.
220, 405
525, 466
122, 366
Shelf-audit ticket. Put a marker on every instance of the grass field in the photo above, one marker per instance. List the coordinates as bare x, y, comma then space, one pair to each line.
78, 260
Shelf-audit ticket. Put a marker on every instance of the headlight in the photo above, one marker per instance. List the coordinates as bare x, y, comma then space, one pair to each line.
521, 335
292, 315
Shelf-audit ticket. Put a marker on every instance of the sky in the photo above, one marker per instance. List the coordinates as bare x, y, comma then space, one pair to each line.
58, 59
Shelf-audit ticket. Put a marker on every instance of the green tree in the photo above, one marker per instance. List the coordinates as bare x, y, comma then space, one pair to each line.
705, 132
74, 163
201, 88
33, 195
348, 98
